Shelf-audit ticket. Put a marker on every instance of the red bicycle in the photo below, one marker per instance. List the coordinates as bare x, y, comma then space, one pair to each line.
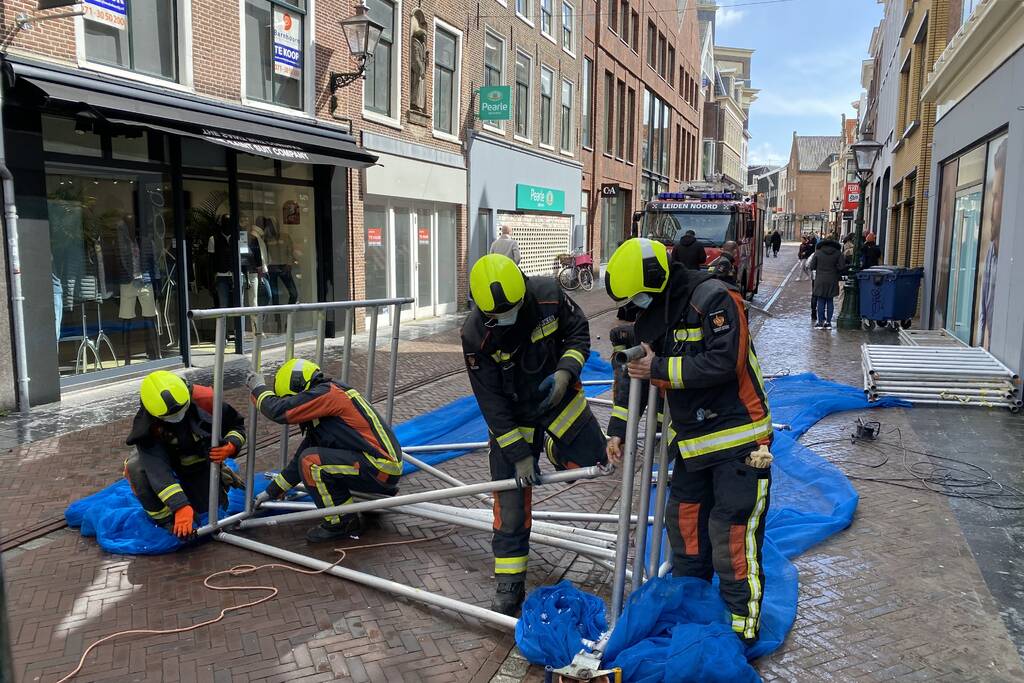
576, 270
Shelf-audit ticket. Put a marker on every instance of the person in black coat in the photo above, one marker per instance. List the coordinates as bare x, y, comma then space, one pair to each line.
690, 252
776, 243
870, 253
828, 264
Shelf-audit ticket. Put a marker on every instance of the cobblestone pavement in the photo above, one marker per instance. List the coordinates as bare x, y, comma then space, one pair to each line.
897, 596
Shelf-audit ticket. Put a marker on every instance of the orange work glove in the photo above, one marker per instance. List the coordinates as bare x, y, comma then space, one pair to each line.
226, 449
183, 518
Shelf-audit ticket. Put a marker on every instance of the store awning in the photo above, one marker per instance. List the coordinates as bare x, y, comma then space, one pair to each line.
128, 103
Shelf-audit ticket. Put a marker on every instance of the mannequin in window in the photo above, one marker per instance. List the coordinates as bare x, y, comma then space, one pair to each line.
258, 291
222, 263
136, 276
281, 259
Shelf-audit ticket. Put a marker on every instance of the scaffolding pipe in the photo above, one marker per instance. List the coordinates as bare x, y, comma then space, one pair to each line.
500, 620
443, 476
626, 497
396, 311
371, 352
586, 517
597, 382
289, 353
600, 401
254, 414
346, 366
423, 497
569, 533
660, 495
321, 335
207, 313
216, 418
441, 447
480, 513
640, 555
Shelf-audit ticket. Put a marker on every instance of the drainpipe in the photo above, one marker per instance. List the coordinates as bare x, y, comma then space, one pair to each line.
14, 261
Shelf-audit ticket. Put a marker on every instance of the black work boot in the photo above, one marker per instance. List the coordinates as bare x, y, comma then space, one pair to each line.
509, 595
346, 527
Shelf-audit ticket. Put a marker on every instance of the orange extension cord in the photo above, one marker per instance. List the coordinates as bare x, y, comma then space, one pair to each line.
242, 570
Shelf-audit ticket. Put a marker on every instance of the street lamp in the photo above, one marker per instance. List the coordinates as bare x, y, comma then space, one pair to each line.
837, 207
362, 35
865, 154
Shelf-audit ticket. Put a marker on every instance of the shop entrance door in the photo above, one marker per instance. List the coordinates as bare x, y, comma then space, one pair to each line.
963, 262
424, 239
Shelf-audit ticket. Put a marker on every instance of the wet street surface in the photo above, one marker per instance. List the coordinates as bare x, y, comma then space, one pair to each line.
918, 588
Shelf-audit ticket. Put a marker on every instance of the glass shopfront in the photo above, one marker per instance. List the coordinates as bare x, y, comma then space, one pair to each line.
144, 225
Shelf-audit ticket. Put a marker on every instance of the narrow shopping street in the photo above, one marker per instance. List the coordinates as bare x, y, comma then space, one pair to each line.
871, 598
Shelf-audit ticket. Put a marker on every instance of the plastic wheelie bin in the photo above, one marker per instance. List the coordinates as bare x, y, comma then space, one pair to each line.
888, 295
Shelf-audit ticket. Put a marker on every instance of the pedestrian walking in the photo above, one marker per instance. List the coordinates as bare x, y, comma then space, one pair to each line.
776, 243
689, 251
767, 244
506, 245
806, 249
827, 263
698, 350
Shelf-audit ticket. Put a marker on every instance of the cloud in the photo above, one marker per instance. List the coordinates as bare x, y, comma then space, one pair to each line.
766, 153
728, 17
773, 103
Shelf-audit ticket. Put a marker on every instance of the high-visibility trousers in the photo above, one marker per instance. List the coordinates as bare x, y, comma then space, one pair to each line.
583, 446
194, 481
332, 474
715, 523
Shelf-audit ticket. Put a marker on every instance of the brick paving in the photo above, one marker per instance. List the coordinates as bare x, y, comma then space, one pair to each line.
898, 596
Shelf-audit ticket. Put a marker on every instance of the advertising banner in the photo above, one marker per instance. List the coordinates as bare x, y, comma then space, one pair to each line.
374, 237
287, 44
107, 12
851, 196
495, 103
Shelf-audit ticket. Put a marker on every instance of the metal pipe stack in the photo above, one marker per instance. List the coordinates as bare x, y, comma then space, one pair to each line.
947, 374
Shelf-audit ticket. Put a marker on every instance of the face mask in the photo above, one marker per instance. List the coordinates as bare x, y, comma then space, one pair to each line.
176, 417
506, 319
642, 300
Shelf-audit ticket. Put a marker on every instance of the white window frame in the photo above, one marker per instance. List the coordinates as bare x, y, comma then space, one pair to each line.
395, 120
185, 82
571, 50
551, 115
495, 126
572, 110
549, 34
456, 84
308, 67
528, 17
515, 95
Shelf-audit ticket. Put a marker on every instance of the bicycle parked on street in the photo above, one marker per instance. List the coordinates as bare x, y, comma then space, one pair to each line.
576, 270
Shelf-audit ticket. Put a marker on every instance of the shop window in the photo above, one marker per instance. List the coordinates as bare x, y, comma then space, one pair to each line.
545, 17
113, 267
587, 103
275, 52
142, 37
524, 66
446, 81
446, 264
375, 223
565, 127
380, 69
76, 136
568, 19
988, 241
202, 155
546, 78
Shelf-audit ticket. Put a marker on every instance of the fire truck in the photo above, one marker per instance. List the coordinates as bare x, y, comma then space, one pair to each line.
716, 216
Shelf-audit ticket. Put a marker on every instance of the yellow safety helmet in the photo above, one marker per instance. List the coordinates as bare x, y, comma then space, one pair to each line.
294, 376
497, 284
638, 265
165, 396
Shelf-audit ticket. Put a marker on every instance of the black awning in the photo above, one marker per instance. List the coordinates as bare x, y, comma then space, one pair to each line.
264, 134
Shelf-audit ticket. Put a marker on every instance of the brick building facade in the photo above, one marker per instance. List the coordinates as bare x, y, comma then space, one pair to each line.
807, 203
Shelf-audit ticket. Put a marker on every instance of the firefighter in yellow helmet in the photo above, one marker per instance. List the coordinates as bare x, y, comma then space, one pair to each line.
525, 344
169, 470
700, 353
347, 446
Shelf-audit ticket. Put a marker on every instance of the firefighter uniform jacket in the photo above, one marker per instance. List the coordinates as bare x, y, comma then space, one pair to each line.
507, 364
331, 415
170, 450
706, 359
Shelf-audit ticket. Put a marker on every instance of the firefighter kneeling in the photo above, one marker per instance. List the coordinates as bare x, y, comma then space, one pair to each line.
699, 351
525, 344
346, 445
169, 471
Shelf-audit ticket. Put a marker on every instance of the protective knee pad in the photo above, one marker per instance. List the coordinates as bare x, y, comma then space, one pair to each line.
511, 510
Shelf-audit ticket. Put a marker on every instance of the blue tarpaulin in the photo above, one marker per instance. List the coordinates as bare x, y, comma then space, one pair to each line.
676, 629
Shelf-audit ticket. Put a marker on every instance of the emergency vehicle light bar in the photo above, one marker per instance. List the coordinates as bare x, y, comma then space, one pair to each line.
677, 196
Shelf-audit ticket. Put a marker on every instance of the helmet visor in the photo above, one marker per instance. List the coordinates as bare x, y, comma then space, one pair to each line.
176, 416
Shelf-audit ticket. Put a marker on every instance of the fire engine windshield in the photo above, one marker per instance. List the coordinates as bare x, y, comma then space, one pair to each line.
711, 228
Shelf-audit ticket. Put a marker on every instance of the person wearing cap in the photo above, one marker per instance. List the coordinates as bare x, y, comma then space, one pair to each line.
169, 471
699, 352
525, 343
870, 253
346, 446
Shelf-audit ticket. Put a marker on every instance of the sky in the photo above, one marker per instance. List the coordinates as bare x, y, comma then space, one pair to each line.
806, 64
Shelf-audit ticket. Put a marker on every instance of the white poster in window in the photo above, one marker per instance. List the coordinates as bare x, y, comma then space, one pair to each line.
107, 12
287, 44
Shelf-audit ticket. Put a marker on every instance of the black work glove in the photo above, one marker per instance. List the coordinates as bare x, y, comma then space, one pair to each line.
555, 385
526, 472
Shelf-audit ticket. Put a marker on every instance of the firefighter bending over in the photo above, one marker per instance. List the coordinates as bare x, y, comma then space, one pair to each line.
169, 471
347, 446
525, 344
699, 351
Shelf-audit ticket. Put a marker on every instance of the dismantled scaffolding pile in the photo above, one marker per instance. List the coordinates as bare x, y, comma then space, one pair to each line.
610, 550
946, 373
